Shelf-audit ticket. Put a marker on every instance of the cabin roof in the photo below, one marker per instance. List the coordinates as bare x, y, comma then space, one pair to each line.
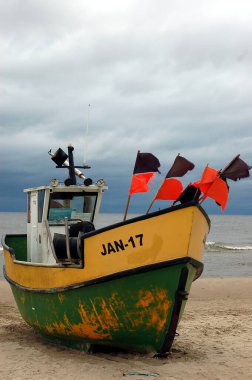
68, 189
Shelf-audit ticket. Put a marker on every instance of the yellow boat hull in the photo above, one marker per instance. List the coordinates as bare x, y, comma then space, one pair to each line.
166, 235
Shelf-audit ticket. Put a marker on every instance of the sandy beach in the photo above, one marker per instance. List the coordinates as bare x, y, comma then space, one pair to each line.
214, 342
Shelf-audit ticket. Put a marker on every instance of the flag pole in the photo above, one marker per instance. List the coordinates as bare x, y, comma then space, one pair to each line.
129, 197
153, 200
127, 207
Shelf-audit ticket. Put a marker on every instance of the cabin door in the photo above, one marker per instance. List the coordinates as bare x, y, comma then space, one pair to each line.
33, 226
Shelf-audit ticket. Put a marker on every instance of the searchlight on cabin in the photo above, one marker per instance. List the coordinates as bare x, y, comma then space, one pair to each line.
60, 159
54, 182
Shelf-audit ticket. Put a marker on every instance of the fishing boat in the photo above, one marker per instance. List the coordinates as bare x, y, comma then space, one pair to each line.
124, 285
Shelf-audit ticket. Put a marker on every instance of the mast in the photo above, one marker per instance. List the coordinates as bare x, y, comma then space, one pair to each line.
60, 158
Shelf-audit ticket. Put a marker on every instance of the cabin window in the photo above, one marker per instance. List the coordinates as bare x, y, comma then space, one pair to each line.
28, 207
79, 206
41, 196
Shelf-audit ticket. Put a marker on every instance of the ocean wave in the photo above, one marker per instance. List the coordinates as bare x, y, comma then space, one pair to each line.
216, 246
212, 246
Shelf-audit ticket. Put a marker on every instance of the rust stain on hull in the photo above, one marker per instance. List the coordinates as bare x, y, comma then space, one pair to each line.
61, 297
100, 321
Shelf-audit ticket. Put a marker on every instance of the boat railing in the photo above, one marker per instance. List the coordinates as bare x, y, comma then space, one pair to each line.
49, 236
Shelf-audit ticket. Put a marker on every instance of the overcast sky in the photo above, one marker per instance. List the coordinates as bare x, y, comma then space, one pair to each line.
160, 76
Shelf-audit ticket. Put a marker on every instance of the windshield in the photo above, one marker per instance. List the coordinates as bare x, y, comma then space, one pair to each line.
79, 206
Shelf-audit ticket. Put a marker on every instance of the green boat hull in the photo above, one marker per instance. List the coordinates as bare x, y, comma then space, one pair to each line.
135, 310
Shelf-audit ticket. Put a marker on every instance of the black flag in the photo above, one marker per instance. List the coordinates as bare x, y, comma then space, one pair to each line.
180, 167
236, 169
146, 162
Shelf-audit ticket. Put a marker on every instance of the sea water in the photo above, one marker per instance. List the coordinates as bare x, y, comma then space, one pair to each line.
228, 250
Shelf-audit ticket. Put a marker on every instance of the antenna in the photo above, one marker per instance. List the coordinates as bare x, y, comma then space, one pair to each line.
85, 157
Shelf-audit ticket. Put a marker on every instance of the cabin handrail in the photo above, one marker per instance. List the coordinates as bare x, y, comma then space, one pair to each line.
67, 239
49, 235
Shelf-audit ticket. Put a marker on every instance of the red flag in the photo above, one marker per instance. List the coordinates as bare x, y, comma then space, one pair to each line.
146, 167
213, 186
139, 183
218, 191
170, 189
207, 178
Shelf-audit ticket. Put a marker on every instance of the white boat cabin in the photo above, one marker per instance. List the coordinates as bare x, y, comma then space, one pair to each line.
57, 217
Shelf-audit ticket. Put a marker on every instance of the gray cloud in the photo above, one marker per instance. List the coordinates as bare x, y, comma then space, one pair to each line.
165, 77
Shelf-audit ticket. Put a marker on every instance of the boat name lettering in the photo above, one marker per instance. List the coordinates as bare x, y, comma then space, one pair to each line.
118, 245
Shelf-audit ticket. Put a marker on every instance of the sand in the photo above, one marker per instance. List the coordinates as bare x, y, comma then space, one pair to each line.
214, 342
